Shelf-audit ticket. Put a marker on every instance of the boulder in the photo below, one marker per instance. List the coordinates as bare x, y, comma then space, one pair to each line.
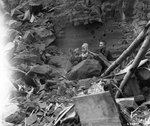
85, 69
60, 61
15, 118
45, 35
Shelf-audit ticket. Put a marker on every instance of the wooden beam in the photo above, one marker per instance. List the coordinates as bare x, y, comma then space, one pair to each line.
139, 39
138, 58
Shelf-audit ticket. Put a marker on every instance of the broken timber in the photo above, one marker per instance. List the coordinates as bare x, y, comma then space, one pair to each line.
139, 39
139, 56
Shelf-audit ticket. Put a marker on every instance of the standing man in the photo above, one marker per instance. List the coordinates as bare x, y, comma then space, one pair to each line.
102, 50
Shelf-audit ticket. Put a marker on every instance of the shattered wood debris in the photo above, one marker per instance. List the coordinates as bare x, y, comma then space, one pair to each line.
50, 91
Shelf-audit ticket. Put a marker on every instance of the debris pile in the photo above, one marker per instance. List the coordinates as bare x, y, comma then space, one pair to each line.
51, 91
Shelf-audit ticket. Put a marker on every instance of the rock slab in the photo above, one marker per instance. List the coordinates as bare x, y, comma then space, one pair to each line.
85, 69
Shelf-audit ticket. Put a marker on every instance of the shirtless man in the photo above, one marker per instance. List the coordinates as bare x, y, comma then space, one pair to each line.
85, 54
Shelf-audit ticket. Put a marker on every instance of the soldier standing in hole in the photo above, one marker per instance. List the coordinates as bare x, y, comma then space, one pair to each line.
102, 49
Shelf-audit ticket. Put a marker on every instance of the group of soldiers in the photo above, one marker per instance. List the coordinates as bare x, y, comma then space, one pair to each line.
87, 54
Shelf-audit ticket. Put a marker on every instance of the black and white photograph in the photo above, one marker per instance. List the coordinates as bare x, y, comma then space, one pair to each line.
74, 62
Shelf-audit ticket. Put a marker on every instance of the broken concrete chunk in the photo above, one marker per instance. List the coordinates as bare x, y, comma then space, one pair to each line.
127, 102
97, 110
28, 37
15, 12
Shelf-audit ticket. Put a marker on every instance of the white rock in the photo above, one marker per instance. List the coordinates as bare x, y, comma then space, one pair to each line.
11, 108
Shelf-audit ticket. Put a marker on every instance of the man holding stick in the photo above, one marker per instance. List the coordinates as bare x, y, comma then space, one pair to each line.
102, 50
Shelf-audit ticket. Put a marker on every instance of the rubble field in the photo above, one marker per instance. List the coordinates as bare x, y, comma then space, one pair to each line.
49, 90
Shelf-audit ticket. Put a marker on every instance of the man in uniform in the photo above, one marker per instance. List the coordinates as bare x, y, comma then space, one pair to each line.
102, 50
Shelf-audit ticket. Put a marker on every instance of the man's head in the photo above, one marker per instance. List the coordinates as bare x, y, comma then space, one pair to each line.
102, 44
85, 47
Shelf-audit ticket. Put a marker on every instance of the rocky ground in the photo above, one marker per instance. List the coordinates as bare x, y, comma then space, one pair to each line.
41, 71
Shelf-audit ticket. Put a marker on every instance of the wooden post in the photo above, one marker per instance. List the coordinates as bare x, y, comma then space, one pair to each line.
128, 51
139, 56
101, 57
